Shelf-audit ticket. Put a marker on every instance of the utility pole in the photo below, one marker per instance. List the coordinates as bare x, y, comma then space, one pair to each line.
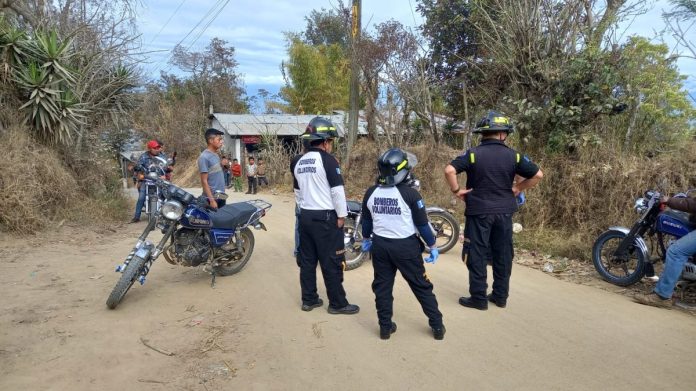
354, 78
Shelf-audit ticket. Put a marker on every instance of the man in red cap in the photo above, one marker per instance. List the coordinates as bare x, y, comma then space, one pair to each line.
147, 159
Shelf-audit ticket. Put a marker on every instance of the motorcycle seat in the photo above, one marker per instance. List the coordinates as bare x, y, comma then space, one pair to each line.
233, 215
354, 206
683, 218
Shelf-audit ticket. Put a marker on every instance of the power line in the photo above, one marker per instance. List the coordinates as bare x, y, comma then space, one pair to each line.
167, 22
216, 8
208, 24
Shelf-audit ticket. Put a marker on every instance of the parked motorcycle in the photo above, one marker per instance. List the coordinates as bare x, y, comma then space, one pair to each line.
194, 235
622, 255
444, 224
153, 198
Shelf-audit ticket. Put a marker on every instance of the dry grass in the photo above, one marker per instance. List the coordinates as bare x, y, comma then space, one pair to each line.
581, 197
186, 173
37, 187
362, 173
577, 199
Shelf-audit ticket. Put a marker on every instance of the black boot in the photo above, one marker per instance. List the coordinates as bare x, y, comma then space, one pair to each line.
386, 332
468, 302
439, 332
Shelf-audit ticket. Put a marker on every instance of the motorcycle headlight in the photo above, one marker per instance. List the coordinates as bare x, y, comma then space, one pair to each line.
172, 210
640, 205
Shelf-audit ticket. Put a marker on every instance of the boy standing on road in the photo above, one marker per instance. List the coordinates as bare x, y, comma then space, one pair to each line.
251, 176
236, 175
261, 173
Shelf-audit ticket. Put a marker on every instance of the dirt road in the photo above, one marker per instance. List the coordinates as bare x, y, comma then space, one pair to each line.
248, 333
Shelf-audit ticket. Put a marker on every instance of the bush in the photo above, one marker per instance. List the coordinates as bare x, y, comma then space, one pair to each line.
36, 187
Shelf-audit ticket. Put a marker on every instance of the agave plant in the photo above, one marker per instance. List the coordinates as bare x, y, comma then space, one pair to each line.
51, 108
13, 43
53, 54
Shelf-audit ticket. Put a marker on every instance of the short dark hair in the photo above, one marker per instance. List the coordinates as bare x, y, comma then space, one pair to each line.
212, 132
251, 158
235, 160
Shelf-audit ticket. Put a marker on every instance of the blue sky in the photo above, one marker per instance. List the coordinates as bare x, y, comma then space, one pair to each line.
255, 28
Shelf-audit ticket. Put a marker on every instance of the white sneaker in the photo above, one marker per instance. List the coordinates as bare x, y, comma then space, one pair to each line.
651, 279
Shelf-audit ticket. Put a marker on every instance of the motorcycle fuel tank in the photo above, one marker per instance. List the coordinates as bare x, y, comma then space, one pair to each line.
672, 225
196, 218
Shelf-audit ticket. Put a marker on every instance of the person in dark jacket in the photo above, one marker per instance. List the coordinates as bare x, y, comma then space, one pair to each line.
147, 159
490, 196
677, 254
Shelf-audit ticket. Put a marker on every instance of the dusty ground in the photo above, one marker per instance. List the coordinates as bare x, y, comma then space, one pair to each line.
248, 332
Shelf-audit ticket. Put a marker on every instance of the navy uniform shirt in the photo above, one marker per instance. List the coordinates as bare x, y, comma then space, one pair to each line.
490, 170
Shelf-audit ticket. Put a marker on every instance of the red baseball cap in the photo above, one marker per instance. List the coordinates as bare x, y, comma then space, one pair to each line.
153, 144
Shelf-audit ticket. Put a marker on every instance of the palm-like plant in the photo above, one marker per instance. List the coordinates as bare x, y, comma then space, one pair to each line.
12, 48
53, 55
44, 81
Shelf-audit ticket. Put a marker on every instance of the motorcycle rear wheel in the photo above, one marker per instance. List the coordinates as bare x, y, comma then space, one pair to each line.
233, 266
354, 254
125, 282
446, 230
621, 272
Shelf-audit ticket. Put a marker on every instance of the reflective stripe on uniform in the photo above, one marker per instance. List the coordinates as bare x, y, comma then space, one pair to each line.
518, 158
472, 159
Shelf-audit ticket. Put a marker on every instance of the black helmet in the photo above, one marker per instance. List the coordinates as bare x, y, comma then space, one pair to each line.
394, 166
320, 128
494, 122
304, 138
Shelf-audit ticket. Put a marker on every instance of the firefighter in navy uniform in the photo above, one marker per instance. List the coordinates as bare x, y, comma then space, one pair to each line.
490, 202
320, 194
393, 213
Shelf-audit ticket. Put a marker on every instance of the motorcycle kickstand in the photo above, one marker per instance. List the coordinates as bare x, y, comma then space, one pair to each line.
212, 281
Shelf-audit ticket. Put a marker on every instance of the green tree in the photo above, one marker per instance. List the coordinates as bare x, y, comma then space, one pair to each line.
328, 27
452, 39
317, 77
660, 110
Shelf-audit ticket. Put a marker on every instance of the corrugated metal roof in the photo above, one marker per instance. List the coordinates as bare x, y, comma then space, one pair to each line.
279, 124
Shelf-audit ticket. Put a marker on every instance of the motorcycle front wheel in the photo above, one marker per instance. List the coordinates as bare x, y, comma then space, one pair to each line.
236, 263
125, 282
354, 255
446, 230
622, 271
152, 207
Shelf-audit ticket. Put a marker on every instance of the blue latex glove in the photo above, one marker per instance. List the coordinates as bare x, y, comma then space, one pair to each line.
434, 254
521, 199
366, 245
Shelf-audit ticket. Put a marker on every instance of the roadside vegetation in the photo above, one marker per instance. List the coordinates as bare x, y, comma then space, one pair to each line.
606, 116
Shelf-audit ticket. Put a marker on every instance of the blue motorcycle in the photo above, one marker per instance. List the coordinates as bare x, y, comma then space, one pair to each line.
193, 235
623, 256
